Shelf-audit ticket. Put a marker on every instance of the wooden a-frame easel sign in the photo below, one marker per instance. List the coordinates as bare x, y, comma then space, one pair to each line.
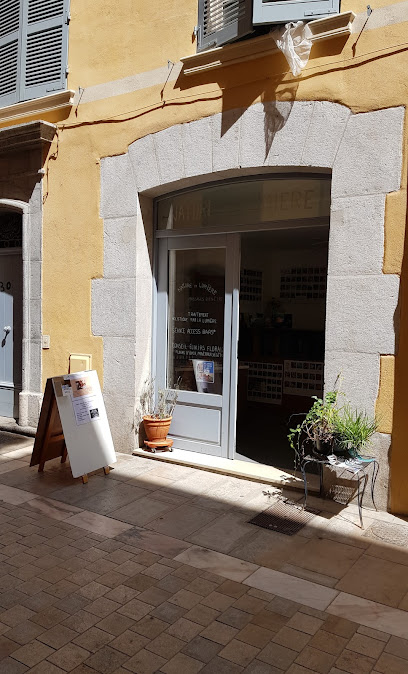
73, 422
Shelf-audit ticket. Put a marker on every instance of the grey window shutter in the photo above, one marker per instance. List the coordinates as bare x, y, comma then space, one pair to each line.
222, 21
282, 11
44, 47
10, 20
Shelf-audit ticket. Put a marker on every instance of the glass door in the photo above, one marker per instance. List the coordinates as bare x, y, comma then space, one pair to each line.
195, 342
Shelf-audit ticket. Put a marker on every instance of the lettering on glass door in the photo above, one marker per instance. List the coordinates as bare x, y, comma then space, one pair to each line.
196, 319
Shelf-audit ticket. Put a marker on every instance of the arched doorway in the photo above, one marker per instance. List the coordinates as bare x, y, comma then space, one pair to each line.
11, 311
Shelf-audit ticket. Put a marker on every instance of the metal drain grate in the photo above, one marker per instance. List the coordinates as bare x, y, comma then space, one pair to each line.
284, 518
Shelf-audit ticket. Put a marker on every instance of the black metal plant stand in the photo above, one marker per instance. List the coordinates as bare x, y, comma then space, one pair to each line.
358, 466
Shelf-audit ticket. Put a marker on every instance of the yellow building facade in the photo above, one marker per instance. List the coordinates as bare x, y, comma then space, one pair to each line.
111, 170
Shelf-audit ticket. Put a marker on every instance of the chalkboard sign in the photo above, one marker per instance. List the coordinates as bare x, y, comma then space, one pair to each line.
73, 420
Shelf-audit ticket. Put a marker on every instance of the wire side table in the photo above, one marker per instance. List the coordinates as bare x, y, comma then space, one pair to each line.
358, 466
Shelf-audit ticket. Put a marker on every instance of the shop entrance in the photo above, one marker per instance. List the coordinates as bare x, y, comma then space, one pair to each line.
241, 313
282, 306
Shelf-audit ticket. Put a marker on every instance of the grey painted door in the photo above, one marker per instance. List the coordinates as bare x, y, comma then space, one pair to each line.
196, 281
10, 331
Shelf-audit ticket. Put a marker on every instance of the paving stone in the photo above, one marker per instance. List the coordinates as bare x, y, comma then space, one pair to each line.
255, 635
235, 618
39, 601
249, 604
341, 626
202, 649
355, 662
317, 661
202, 586
187, 572
291, 639
173, 584
154, 596
93, 590
46, 667
25, 632
68, 657
186, 629
122, 594
269, 620
115, 624
284, 607
81, 621
129, 642
182, 664
329, 643
366, 645
150, 627
31, 654
375, 634
203, 615
305, 623
168, 612
186, 599
93, 639
106, 660
49, 617
145, 662
239, 652
220, 633
6, 647
140, 583
103, 607
134, 609
10, 666
218, 601
232, 589
157, 571
165, 645
14, 616
391, 664
398, 647
221, 666
274, 654
257, 667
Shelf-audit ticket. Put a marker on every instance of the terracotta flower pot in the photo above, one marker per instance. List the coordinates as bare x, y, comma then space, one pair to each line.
156, 429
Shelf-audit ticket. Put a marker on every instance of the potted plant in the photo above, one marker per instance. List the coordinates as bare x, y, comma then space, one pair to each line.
157, 414
318, 428
354, 431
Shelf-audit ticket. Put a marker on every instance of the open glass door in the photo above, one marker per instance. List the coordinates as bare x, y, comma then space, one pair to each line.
195, 288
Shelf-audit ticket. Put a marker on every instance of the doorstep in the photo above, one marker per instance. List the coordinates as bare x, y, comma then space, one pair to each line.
257, 472
12, 426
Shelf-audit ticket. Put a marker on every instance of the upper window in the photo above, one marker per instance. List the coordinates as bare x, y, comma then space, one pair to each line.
222, 21
33, 48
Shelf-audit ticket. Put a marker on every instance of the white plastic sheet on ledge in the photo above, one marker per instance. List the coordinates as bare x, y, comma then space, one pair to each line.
294, 41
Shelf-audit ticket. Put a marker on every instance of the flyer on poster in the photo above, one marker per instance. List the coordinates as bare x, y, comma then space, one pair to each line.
84, 398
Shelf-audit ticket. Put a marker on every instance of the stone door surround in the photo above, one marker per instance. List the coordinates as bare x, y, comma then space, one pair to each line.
364, 154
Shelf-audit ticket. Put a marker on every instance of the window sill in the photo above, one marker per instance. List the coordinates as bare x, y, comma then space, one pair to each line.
60, 99
322, 29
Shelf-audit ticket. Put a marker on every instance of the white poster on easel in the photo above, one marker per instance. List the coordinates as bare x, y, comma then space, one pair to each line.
84, 422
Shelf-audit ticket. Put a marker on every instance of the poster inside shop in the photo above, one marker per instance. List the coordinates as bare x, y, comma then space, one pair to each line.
196, 319
84, 421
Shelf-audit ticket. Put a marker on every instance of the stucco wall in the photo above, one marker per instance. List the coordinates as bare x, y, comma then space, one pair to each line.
119, 57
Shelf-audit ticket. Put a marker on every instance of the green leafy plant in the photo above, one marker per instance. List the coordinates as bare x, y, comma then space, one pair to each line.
163, 407
318, 428
354, 431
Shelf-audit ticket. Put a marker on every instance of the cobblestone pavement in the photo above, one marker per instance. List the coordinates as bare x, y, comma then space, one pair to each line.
155, 568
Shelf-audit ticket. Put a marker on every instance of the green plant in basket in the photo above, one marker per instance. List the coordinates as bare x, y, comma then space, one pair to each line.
354, 431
